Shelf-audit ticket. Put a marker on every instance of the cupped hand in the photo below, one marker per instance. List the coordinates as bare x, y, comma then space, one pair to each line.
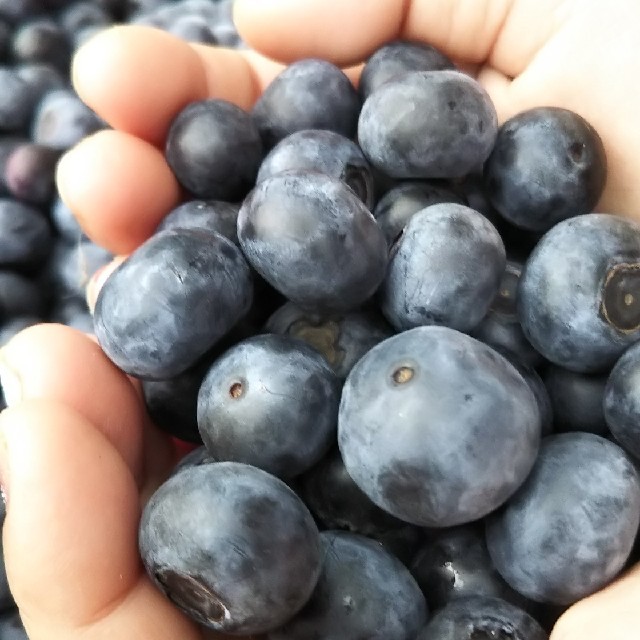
78, 455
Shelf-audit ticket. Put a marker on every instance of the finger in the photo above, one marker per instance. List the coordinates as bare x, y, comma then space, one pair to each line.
119, 187
611, 613
70, 534
55, 362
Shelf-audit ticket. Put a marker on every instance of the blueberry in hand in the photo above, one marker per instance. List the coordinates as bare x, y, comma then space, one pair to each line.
431, 124
480, 618
548, 164
579, 293
437, 428
568, 531
270, 401
313, 240
213, 147
342, 340
445, 269
308, 94
232, 546
170, 301
362, 592
397, 58
323, 151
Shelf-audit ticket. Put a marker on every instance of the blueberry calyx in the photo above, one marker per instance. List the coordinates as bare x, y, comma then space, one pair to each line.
359, 180
403, 374
236, 390
620, 305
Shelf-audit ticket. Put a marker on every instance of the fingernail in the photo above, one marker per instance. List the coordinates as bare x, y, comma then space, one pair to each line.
9, 381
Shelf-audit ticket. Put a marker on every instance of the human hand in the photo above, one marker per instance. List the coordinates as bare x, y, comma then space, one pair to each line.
120, 187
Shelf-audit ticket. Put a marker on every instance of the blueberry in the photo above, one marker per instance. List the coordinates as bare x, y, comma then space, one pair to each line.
579, 293
16, 99
192, 28
445, 269
342, 340
270, 401
432, 124
19, 296
548, 164
500, 328
232, 546
570, 528
195, 458
313, 240
468, 421
11, 627
577, 400
61, 120
323, 151
29, 173
25, 235
621, 402
398, 58
42, 40
397, 206
212, 215
214, 150
363, 592
41, 78
482, 618
455, 563
83, 14
65, 222
308, 94
178, 294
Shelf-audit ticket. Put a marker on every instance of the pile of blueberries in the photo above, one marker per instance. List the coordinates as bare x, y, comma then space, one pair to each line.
398, 335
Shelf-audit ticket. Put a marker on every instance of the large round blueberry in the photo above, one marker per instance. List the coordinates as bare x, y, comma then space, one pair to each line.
548, 164
363, 592
570, 528
313, 240
622, 401
579, 293
232, 546
324, 151
214, 150
308, 94
437, 428
432, 124
270, 401
171, 301
482, 618
445, 269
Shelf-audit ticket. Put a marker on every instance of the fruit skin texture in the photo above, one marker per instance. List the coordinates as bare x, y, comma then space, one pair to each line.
437, 428
570, 528
571, 304
270, 401
313, 240
431, 124
171, 301
363, 592
548, 164
214, 149
480, 617
232, 546
445, 269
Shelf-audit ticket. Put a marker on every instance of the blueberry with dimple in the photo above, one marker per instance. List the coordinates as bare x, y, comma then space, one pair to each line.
622, 401
270, 401
397, 206
324, 151
568, 531
170, 301
25, 235
431, 124
548, 164
232, 546
579, 293
397, 58
313, 240
308, 94
342, 340
213, 147
445, 269
480, 618
437, 428
362, 592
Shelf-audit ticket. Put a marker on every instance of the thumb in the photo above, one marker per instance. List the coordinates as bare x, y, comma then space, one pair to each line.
70, 534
